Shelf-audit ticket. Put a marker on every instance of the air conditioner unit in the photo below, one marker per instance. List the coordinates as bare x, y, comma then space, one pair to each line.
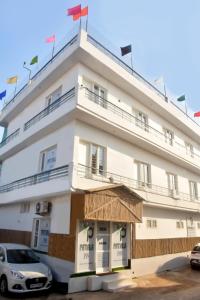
43, 208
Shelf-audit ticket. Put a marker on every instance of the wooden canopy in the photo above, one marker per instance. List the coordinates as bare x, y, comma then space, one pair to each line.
112, 203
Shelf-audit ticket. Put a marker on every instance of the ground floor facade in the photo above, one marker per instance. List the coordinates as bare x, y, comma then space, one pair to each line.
101, 231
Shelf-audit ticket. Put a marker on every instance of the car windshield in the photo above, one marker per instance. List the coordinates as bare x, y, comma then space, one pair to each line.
21, 256
196, 248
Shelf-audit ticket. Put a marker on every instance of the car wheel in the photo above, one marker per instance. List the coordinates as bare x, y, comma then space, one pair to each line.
3, 286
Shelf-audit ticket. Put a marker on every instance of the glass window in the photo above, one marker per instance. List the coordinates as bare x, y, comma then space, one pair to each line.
189, 149
142, 120
144, 174
169, 136
179, 224
24, 207
48, 159
97, 158
99, 95
40, 239
54, 96
151, 223
172, 184
193, 190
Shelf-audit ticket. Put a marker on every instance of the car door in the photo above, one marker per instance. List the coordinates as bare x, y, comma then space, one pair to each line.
2, 261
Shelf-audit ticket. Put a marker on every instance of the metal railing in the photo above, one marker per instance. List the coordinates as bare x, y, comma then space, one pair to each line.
135, 121
113, 178
124, 65
35, 179
50, 108
10, 138
44, 67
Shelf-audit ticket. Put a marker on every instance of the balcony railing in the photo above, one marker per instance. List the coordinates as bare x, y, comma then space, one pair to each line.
113, 178
124, 65
35, 179
43, 68
10, 138
50, 108
136, 122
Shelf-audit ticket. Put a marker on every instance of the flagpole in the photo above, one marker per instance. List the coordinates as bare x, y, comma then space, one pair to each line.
165, 92
15, 89
186, 112
29, 77
87, 22
53, 49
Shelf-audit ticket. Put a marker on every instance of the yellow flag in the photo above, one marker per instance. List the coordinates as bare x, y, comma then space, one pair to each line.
12, 80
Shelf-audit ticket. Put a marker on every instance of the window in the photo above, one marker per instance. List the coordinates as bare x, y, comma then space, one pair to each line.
2, 254
172, 184
99, 95
169, 136
142, 120
179, 224
97, 159
151, 223
54, 96
189, 149
40, 237
48, 159
193, 190
144, 174
198, 225
24, 207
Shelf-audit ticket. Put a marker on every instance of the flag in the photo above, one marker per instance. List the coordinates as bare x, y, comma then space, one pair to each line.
197, 114
126, 50
12, 80
74, 10
51, 39
181, 98
2, 95
34, 60
83, 13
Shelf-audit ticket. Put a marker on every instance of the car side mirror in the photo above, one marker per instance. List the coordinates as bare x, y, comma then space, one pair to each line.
1, 258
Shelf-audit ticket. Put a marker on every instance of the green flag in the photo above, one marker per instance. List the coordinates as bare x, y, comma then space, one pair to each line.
34, 60
181, 98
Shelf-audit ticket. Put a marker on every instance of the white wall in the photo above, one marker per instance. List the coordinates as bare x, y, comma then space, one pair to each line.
130, 104
26, 162
122, 158
67, 81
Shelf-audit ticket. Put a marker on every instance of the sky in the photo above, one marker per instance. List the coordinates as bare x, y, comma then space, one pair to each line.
164, 35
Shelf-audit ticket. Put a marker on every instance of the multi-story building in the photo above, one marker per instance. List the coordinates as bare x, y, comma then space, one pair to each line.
99, 170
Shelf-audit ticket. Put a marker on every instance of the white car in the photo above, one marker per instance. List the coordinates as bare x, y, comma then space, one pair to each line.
21, 270
195, 256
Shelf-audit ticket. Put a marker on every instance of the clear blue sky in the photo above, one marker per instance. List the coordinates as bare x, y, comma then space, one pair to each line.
164, 34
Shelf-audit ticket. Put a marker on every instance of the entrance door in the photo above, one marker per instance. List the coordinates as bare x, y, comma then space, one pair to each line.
120, 245
102, 247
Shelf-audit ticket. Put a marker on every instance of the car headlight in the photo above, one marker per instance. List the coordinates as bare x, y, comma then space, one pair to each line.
16, 274
49, 273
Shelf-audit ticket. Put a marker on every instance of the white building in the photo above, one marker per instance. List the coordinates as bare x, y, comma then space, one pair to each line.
99, 171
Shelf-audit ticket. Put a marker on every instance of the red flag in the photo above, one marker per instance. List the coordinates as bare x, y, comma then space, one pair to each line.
83, 13
51, 39
197, 114
74, 10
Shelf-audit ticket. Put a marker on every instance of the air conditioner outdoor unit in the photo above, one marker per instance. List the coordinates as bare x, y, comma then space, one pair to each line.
43, 208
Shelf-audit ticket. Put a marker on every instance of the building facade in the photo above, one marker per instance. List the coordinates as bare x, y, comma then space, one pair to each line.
99, 170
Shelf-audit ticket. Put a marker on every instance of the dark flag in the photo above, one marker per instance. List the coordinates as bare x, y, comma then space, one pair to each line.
126, 50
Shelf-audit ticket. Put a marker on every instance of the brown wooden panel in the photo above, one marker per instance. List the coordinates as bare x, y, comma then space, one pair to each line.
156, 247
114, 204
15, 236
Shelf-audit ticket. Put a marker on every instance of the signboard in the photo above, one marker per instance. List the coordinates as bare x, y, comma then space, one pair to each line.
86, 242
119, 245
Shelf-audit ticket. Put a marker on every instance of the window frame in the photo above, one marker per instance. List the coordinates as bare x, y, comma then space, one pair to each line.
189, 149
37, 237
169, 141
139, 121
42, 159
97, 169
194, 196
176, 187
49, 100
141, 183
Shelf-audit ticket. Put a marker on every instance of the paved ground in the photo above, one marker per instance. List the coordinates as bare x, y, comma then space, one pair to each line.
176, 285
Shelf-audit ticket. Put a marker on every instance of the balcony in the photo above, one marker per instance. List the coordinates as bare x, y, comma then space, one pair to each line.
152, 194
9, 138
49, 109
48, 183
46, 121
132, 123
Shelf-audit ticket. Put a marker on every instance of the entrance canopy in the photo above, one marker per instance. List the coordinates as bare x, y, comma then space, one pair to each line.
115, 203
